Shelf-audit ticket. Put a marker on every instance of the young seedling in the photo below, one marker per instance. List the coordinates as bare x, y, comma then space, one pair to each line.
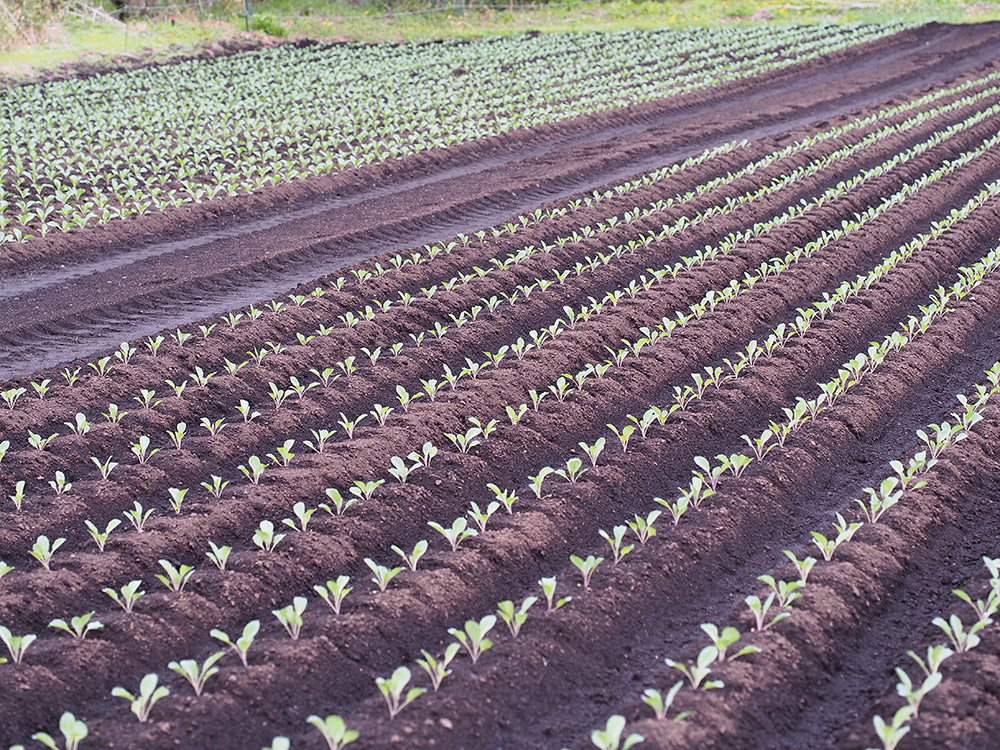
586, 567
338, 502
437, 669
661, 703
536, 481
218, 555
515, 617
935, 658
802, 567
284, 452
573, 471
549, 589
43, 550
128, 595
79, 426
265, 538
149, 694
365, 490
401, 470
594, 451
456, 534
482, 517
114, 415
786, 591
291, 616
381, 575
322, 438
427, 452
392, 690
175, 578
725, 638
891, 734
334, 592
16, 644
643, 527
623, 435
73, 731
616, 542
610, 738
334, 731
60, 484
507, 498
176, 498
404, 397
411, 559
101, 538
242, 644
913, 695
216, 486
381, 413
697, 672
138, 516
473, 636
105, 468
197, 676
253, 469
962, 639
301, 515
760, 610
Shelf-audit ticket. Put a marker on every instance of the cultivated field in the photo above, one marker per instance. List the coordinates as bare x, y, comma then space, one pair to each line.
645, 384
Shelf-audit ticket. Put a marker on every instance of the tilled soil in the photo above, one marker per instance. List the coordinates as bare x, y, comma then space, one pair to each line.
821, 674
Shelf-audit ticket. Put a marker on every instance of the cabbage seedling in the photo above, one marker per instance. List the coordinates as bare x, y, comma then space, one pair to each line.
595, 450
786, 591
586, 567
427, 452
148, 696
246, 411
392, 690
128, 595
253, 469
80, 425
803, 567
334, 592
338, 502
515, 618
412, 558
984, 609
16, 644
436, 669
60, 484
176, 498
481, 517
473, 636
301, 514
175, 578
381, 413
43, 550
11, 396
381, 574
760, 610
78, 627
334, 731
643, 527
218, 555
366, 489
725, 638
661, 703
216, 487
101, 538
616, 543
465, 441
284, 452
549, 589
624, 435
291, 616
697, 672
935, 658
891, 734
507, 498
38, 442
912, 695
536, 481
105, 468
265, 538
456, 534
242, 644
114, 415
400, 470
138, 516
610, 738
322, 437
961, 639
4, 447
573, 471
73, 731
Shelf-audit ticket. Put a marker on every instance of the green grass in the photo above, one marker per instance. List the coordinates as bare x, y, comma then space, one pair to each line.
75, 41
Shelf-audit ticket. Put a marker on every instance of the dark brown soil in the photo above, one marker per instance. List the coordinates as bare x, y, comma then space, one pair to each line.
821, 675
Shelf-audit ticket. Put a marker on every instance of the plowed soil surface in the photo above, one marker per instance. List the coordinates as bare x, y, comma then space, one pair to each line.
707, 252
